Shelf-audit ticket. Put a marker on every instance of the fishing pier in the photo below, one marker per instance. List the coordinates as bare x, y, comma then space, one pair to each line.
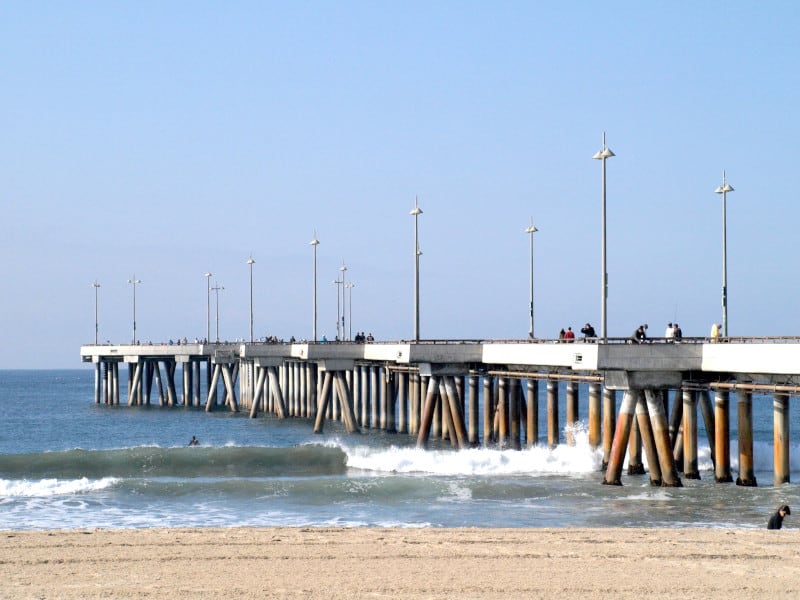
641, 397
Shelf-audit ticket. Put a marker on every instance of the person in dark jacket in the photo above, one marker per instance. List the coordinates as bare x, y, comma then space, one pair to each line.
776, 520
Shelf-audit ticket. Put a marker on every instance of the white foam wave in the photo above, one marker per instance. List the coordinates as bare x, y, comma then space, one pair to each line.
15, 488
540, 460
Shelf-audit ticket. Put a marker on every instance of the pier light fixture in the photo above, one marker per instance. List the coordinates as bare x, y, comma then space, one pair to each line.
530, 231
338, 282
343, 270
416, 212
251, 262
134, 282
96, 287
350, 285
724, 189
207, 275
315, 242
217, 289
604, 153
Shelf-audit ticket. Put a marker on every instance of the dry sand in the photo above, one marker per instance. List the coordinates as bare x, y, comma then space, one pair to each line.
400, 563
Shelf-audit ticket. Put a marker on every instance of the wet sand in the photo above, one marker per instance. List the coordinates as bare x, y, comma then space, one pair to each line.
335, 563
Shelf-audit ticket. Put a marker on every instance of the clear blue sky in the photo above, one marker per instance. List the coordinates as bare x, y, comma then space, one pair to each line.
168, 139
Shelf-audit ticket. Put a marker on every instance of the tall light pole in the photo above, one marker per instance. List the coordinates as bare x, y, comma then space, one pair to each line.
724, 189
251, 262
216, 289
315, 242
604, 153
96, 287
343, 270
208, 306
339, 337
134, 282
350, 285
530, 231
416, 212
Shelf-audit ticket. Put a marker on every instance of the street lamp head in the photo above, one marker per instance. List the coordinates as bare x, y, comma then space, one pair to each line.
343, 268
134, 281
207, 274
416, 211
96, 285
603, 154
315, 241
723, 189
251, 261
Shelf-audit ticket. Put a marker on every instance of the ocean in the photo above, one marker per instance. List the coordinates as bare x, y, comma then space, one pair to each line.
68, 463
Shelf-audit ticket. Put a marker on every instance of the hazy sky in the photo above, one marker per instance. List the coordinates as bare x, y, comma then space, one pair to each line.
167, 139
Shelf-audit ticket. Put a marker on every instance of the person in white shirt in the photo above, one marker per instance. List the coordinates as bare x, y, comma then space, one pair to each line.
669, 333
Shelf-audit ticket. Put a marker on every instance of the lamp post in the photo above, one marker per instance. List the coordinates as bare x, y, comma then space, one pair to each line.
208, 305
338, 282
724, 189
251, 262
350, 285
134, 282
343, 270
315, 242
216, 289
416, 212
530, 231
96, 287
604, 153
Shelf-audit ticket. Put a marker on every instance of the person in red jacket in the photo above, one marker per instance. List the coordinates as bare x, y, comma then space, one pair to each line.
569, 335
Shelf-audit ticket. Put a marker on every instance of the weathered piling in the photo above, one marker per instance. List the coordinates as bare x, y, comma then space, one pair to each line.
552, 414
572, 410
658, 421
648, 441
513, 414
780, 415
722, 439
488, 410
635, 464
532, 412
690, 470
620, 441
609, 422
707, 410
474, 414
595, 415
744, 421
502, 412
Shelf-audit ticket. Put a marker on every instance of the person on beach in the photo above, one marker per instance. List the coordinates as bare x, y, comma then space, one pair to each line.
776, 520
194, 441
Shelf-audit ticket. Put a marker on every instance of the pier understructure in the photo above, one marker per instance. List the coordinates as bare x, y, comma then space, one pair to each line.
486, 393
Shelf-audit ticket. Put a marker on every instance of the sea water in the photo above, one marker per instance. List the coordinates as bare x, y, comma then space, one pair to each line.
66, 462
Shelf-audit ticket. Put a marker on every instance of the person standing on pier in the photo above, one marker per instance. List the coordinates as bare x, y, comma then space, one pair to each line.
640, 335
776, 520
669, 334
716, 328
677, 333
588, 331
569, 335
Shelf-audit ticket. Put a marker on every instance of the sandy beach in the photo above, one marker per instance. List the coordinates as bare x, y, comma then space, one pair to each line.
400, 563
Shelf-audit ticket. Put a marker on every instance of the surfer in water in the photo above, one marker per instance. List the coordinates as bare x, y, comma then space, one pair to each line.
194, 441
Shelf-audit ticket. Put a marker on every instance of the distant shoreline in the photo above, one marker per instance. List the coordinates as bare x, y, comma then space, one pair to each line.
311, 562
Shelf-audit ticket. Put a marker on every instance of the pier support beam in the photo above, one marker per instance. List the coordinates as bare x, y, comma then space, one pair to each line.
595, 415
609, 422
472, 404
744, 422
572, 411
532, 413
513, 414
780, 415
635, 464
722, 437
690, 470
658, 421
707, 410
552, 414
488, 411
648, 441
620, 442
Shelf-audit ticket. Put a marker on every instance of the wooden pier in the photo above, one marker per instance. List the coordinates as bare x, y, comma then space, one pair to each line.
437, 388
